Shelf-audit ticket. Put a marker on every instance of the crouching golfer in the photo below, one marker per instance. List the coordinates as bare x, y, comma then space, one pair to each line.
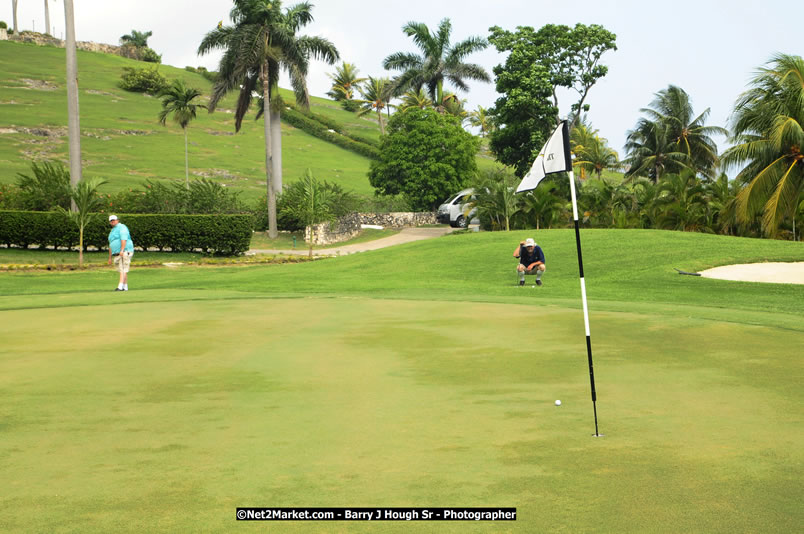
122, 248
531, 261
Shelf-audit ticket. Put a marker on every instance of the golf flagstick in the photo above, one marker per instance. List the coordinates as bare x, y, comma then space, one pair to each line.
583, 298
555, 157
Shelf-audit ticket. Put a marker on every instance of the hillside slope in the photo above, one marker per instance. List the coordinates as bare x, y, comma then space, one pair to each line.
123, 142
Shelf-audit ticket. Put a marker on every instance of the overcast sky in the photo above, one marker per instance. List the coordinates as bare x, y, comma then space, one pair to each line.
709, 48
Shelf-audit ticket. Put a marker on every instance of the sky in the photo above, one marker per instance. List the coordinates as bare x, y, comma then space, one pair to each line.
709, 48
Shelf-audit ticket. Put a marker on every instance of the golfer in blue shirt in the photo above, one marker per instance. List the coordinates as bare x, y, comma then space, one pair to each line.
121, 247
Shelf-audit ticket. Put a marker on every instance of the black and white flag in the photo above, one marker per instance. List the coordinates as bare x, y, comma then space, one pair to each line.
554, 157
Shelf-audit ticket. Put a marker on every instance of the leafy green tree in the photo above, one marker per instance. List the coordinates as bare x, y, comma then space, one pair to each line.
495, 198
136, 39
262, 40
344, 83
768, 133
438, 61
571, 56
87, 204
177, 99
376, 93
315, 206
425, 155
524, 113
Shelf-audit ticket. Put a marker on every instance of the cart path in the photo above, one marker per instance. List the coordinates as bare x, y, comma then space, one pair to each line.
406, 235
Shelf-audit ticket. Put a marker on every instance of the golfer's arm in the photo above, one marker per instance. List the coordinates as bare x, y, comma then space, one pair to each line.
122, 245
516, 252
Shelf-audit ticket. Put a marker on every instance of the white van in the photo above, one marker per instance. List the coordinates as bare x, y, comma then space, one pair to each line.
452, 210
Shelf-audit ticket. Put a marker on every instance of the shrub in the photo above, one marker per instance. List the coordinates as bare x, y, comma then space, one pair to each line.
149, 55
147, 80
3, 25
213, 234
48, 188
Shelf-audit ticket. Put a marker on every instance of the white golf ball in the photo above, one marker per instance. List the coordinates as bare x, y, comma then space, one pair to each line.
558, 403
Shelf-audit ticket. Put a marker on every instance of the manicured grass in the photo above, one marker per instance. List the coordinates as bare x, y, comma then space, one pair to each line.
413, 376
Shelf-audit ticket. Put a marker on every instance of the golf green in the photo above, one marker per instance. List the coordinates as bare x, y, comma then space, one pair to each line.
166, 416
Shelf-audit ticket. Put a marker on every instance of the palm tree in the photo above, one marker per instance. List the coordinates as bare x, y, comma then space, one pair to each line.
768, 126
415, 99
592, 153
481, 119
670, 139
315, 206
690, 135
376, 94
542, 206
14, 14
651, 151
683, 202
136, 39
47, 18
494, 197
177, 99
344, 82
87, 204
73, 122
262, 41
439, 61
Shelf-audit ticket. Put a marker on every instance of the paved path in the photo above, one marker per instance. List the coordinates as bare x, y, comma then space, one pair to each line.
405, 236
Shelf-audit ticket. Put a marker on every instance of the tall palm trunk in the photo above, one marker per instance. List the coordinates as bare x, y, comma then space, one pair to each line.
74, 127
186, 162
14, 15
266, 94
47, 19
379, 118
276, 147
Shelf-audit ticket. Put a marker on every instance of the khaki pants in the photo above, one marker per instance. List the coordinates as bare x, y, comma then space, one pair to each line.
123, 261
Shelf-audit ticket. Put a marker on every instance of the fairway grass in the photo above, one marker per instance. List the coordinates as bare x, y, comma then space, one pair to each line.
187, 410
396, 378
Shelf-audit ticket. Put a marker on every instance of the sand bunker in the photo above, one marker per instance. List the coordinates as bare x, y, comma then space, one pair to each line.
774, 272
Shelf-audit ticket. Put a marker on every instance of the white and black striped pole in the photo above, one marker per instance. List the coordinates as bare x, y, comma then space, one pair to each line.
583, 299
555, 157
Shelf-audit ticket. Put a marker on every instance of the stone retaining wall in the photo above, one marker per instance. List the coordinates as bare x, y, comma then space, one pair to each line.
348, 227
41, 39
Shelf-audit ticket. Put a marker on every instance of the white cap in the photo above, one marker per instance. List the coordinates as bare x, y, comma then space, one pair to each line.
114, 218
529, 242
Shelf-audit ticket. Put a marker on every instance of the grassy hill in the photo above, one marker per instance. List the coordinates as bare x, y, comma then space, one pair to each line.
123, 142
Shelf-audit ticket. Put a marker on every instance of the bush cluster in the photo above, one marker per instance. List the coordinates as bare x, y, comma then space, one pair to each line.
202, 197
146, 80
209, 75
213, 234
47, 188
343, 202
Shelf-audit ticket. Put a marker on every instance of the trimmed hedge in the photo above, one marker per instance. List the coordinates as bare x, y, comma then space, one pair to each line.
213, 234
317, 129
